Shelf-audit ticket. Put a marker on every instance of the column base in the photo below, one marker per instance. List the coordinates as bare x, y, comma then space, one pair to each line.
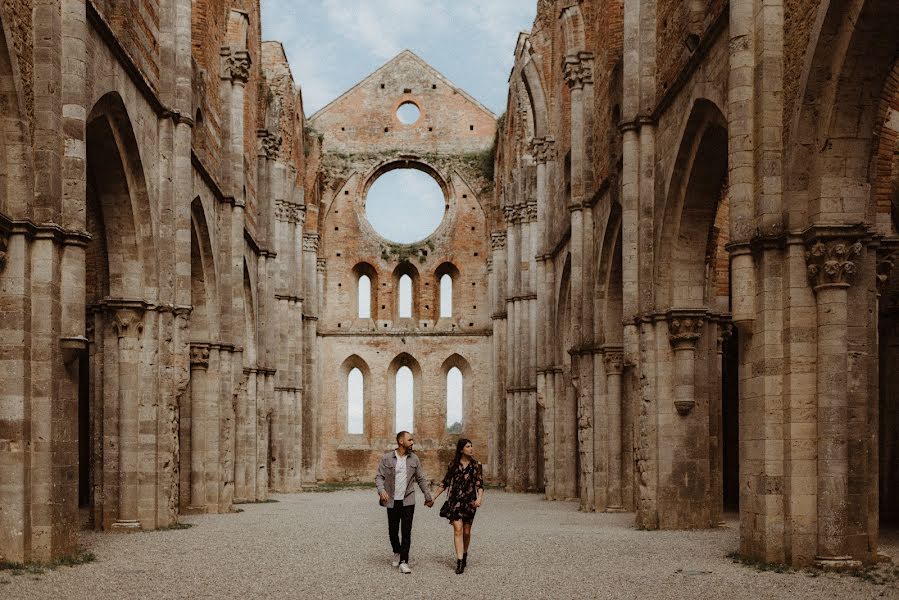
126, 525
196, 510
615, 509
837, 563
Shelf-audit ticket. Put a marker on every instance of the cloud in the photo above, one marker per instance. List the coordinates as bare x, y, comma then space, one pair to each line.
333, 44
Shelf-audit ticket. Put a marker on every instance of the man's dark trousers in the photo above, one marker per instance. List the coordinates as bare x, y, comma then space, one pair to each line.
400, 517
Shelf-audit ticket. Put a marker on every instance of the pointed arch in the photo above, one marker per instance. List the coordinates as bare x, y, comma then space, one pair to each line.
251, 340
573, 29
116, 179
205, 315
364, 269
689, 209
406, 292
395, 370
533, 84
458, 363
610, 281
444, 295
853, 46
355, 405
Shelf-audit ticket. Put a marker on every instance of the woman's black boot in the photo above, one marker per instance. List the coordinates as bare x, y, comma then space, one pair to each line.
460, 566
464, 560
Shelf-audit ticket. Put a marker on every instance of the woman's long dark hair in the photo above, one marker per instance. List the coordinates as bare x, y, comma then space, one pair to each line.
457, 460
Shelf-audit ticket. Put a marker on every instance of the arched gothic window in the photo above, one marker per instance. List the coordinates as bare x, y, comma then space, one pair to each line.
355, 402
405, 297
454, 386
364, 294
405, 403
446, 296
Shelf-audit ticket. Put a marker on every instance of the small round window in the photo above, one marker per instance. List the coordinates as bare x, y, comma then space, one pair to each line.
408, 113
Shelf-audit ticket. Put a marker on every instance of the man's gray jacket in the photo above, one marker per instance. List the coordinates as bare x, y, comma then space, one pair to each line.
386, 478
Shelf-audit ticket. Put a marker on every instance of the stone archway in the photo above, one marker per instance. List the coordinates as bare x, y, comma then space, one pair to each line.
120, 273
692, 281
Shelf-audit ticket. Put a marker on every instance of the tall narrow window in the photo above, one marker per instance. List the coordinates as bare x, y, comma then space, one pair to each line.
405, 393
446, 296
355, 402
364, 297
405, 297
454, 401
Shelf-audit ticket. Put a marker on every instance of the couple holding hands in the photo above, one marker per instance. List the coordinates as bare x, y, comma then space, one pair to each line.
399, 471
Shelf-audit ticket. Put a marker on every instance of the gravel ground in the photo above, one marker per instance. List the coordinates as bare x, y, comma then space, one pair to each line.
334, 545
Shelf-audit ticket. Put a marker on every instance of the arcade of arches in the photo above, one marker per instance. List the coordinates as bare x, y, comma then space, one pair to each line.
663, 286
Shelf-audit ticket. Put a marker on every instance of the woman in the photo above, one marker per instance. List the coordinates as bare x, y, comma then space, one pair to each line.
465, 477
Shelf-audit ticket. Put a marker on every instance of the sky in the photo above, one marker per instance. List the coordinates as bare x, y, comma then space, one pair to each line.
334, 44
405, 205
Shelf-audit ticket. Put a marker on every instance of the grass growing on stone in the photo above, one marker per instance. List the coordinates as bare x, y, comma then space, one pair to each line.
37, 568
177, 525
266, 501
880, 574
759, 565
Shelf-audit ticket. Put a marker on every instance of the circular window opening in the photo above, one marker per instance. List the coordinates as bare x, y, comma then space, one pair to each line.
408, 113
405, 205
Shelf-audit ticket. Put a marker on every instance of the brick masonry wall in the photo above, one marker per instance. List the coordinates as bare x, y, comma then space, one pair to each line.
674, 25
136, 25
17, 21
799, 20
452, 132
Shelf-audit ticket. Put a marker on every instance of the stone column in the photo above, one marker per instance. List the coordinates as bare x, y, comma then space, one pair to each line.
499, 315
684, 329
199, 368
613, 357
129, 326
716, 422
831, 265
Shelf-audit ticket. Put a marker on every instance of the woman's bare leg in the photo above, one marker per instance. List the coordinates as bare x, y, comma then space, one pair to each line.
457, 539
466, 536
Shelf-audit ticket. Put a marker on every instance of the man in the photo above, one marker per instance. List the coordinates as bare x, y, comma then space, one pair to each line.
398, 472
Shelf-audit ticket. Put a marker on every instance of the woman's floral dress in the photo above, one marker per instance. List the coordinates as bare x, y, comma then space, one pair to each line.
462, 484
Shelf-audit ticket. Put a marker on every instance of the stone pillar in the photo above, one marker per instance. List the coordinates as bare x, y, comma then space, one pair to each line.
684, 329
499, 456
831, 265
199, 368
613, 357
129, 326
716, 423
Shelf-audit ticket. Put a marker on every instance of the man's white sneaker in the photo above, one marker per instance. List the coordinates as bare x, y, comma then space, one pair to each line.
404, 568
396, 560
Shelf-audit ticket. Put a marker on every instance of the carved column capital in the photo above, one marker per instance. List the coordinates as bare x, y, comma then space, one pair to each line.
288, 212
577, 69
613, 357
684, 328
310, 242
543, 149
830, 256
199, 356
320, 265
128, 322
530, 212
498, 240
512, 214
269, 144
236, 65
